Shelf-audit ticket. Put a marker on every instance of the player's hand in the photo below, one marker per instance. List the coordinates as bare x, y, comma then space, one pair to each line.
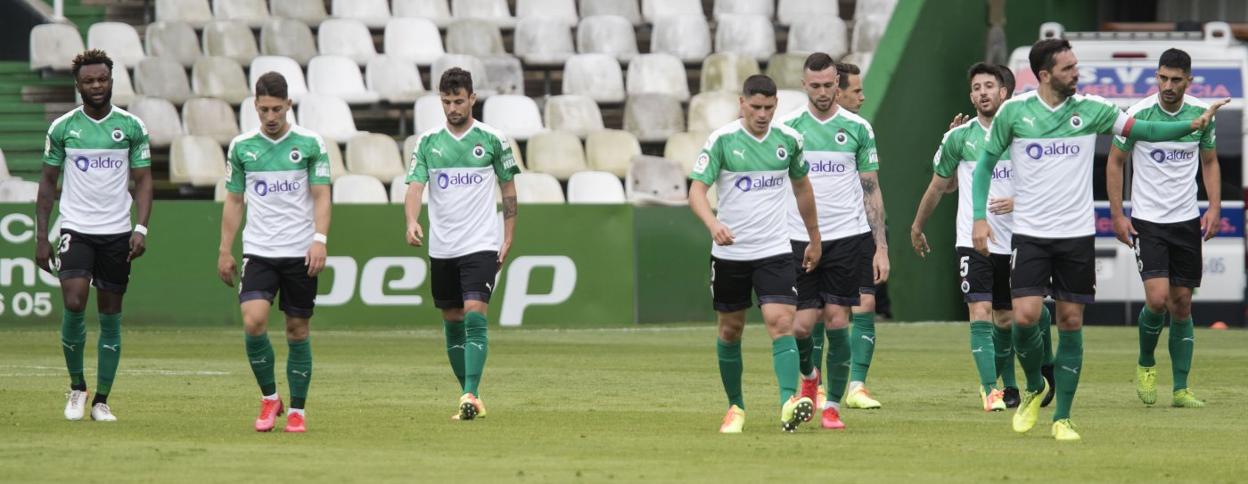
722, 234
918, 240
1211, 222
315, 260
1126, 232
1207, 116
958, 120
810, 260
502, 254
138, 245
226, 268
43, 254
880, 264
415, 235
1000, 206
980, 235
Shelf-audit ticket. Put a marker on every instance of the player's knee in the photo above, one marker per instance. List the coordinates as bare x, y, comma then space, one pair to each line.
729, 333
453, 314
980, 312
1025, 317
1070, 322
1179, 307
255, 324
1002, 319
75, 302
473, 306
801, 332
296, 332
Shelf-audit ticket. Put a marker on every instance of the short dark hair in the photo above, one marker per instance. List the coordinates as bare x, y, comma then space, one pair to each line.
272, 84
818, 61
93, 56
984, 68
1007, 78
759, 84
454, 79
844, 70
1044, 52
1176, 59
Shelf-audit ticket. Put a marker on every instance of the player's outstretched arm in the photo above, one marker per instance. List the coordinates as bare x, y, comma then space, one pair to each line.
927, 205
1114, 169
873, 200
805, 194
321, 207
43, 212
411, 210
1211, 172
509, 219
701, 208
143, 204
231, 217
1140, 130
981, 180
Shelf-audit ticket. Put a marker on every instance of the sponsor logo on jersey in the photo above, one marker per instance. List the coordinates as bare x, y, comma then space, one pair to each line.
747, 183
828, 167
118, 136
1054, 148
1162, 156
478, 151
454, 179
85, 163
1002, 173
1076, 121
781, 153
265, 188
295, 155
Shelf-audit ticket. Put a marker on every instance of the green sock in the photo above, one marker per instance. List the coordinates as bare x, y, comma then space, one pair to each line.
1068, 364
260, 355
1030, 352
838, 363
476, 348
1046, 333
817, 334
984, 353
1150, 325
1182, 345
108, 350
1002, 342
299, 370
784, 360
454, 331
862, 344
805, 350
73, 338
730, 370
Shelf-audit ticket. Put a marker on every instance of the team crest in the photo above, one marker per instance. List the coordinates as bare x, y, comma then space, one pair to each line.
118, 136
841, 137
295, 155
478, 151
781, 153
1076, 121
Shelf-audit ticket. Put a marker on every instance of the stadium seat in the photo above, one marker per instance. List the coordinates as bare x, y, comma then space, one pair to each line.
653, 10
653, 180
471, 36
748, 35
288, 38
251, 12
220, 192
541, 41
561, 10
789, 12
409, 144
726, 72
219, 77
338, 76
160, 117
211, 118
688, 37
610, 150
595, 187
819, 34
230, 39
709, 111
789, 100
248, 119
653, 117
503, 75
375, 155
196, 160
867, 32
327, 116
658, 74
346, 37
287, 67
516, 116
595, 75
556, 153
607, 34
860, 59
373, 13
787, 70
623, 8
162, 78
336, 166
398, 189
311, 12
17, 190
4, 168
194, 12
865, 8
495, 11
683, 149
577, 115
414, 40
359, 190
468, 63
436, 11
537, 188
765, 8
53, 46
428, 113
173, 40
119, 40
395, 81
517, 154
123, 88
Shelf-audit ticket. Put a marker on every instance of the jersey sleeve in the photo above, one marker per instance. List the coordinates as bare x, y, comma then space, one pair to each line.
318, 165
140, 145
505, 167
54, 145
235, 176
419, 171
1207, 136
1001, 133
1106, 118
945, 163
706, 169
798, 166
868, 159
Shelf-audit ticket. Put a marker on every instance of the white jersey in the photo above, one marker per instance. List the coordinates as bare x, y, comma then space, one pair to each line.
957, 156
275, 177
1163, 185
838, 150
96, 157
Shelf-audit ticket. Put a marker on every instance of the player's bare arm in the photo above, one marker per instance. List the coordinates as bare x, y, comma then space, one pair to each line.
702, 209
927, 205
805, 195
1211, 173
873, 200
1113, 187
509, 220
143, 201
231, 218
315, 259
43, 212
411, 208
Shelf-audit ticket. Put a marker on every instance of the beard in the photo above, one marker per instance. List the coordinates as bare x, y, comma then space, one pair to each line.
1066, 90
86, 99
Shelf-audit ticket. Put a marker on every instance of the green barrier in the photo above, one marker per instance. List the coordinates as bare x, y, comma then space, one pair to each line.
673, 266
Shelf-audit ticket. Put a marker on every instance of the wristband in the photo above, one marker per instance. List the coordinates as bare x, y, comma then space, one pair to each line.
140, 229
320, 238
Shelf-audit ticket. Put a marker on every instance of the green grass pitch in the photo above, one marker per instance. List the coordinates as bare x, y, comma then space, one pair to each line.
599, 405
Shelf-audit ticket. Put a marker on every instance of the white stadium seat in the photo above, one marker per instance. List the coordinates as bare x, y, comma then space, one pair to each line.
311, 12
864, 8
173, 40
765, 8
4, 168
469, 63
683, 148
595, 187
196, 160
595, 75
727, 72
396, 81
53, 46
867, 32
375, 155
248, 119
819, 34
788, 100
624, 8
327, 116
296, 86
653, 180
428, 113
495, 11
288, 38
337, 168
17, 190
537, 188
359, 190
194, 12
516, 116
709, 111
653, 117
219, 77
211, 118
607, 34
230, 39
415, 40
473, 36
373, 13
789, 12
562, 10
163, 78
653, 10
338, 76
160, 117
346, 37
541, 41
688, 37
556, 153
123, 87
504, 75
436, 11
860, 59
119, 40
611, 150
220, 192
570, 113
749, 35
787, 70
251, 12
398, 189
658, 74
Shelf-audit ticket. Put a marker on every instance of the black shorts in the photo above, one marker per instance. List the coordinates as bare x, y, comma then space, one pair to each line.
1065, 268
985, 278
101, 258
836, 280
772, 279
1169, 250
865, 243
267, 277
468, 277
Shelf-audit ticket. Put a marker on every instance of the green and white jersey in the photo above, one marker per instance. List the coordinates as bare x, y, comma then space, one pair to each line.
837, 149
752, 176
1163, 188
460, 174
1052, 150
957, 156
275, 176
96, 157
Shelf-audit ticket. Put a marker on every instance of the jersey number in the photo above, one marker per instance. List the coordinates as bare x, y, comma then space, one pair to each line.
964, 266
